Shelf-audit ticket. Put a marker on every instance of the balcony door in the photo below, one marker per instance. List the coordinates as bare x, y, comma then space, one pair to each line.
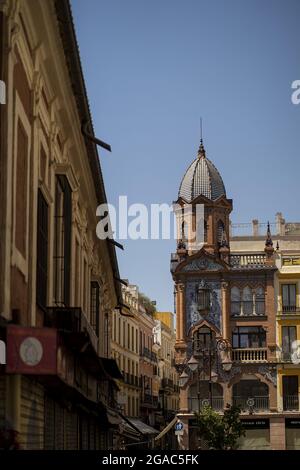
289, 335
288, 297
290, 392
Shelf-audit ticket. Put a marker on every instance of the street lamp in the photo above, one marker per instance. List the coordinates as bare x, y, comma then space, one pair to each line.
193, 364
221, 346
183, 379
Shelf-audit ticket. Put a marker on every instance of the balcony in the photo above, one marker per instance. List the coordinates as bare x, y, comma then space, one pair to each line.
291, 403
289, 310
70, 320
152, 356
149, 400
285, 356
248, 261
167, 384
249, 355
252, 403
195, 403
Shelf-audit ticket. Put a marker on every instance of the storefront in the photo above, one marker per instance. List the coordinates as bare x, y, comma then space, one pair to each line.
292, 433
257, 434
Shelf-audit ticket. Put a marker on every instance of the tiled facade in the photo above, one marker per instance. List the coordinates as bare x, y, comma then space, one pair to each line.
226, 312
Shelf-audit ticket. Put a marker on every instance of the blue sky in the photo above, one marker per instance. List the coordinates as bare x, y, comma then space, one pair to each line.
152, 68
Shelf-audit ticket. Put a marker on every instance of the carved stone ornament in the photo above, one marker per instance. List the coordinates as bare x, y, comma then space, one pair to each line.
269, 373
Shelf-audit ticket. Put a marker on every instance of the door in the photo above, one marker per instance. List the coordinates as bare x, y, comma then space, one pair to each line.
290, 392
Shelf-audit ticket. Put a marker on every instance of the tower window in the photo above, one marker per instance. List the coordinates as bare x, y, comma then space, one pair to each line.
220, 230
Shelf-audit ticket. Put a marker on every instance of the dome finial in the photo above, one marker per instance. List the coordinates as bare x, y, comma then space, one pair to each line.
201, 150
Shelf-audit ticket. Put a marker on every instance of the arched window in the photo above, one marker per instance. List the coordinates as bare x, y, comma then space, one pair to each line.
260, 301
184, 231
235, 301
202, 231
199, 395
251, 394
220, 230
247, 301
202, 339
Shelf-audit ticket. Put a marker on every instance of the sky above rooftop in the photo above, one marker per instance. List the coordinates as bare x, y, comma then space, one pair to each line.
152, 68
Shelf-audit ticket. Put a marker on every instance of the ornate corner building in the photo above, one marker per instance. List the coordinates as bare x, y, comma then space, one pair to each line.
226, 349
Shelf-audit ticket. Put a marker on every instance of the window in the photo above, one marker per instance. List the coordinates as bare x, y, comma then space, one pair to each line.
42, 251
260, 301
220, 230
184, 231
95, 306
249, 337
202, 231
247, 301
62, 241
202, 338
235, 301
289, 298
289, 335
203, 298
290, 392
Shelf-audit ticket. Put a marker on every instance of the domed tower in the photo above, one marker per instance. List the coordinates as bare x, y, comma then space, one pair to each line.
202, 209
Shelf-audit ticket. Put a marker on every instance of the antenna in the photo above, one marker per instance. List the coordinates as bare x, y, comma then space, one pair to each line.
201, 129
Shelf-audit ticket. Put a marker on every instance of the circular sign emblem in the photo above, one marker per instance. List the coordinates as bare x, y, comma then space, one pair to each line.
31, 351
250, 402
205, 402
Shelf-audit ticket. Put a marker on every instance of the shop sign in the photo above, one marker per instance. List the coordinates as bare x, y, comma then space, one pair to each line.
256, 423
292, 423
31, 350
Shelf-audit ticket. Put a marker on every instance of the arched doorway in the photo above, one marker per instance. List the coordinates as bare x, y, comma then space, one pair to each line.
199, 396
251, 395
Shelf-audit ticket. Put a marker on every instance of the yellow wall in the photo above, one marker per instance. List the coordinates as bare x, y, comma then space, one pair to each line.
165, 317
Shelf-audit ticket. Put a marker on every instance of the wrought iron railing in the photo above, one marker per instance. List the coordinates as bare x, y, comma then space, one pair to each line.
252, 403
291, 403
70, 320
289, 310
196, 403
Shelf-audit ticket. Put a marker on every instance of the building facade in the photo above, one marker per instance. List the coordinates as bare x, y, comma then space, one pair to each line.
226, 343
125, 350
164, 339
287, 258
58, 281
148, 365
169, 388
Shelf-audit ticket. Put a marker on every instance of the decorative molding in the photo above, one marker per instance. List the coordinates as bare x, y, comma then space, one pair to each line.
269, 373
202, 264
